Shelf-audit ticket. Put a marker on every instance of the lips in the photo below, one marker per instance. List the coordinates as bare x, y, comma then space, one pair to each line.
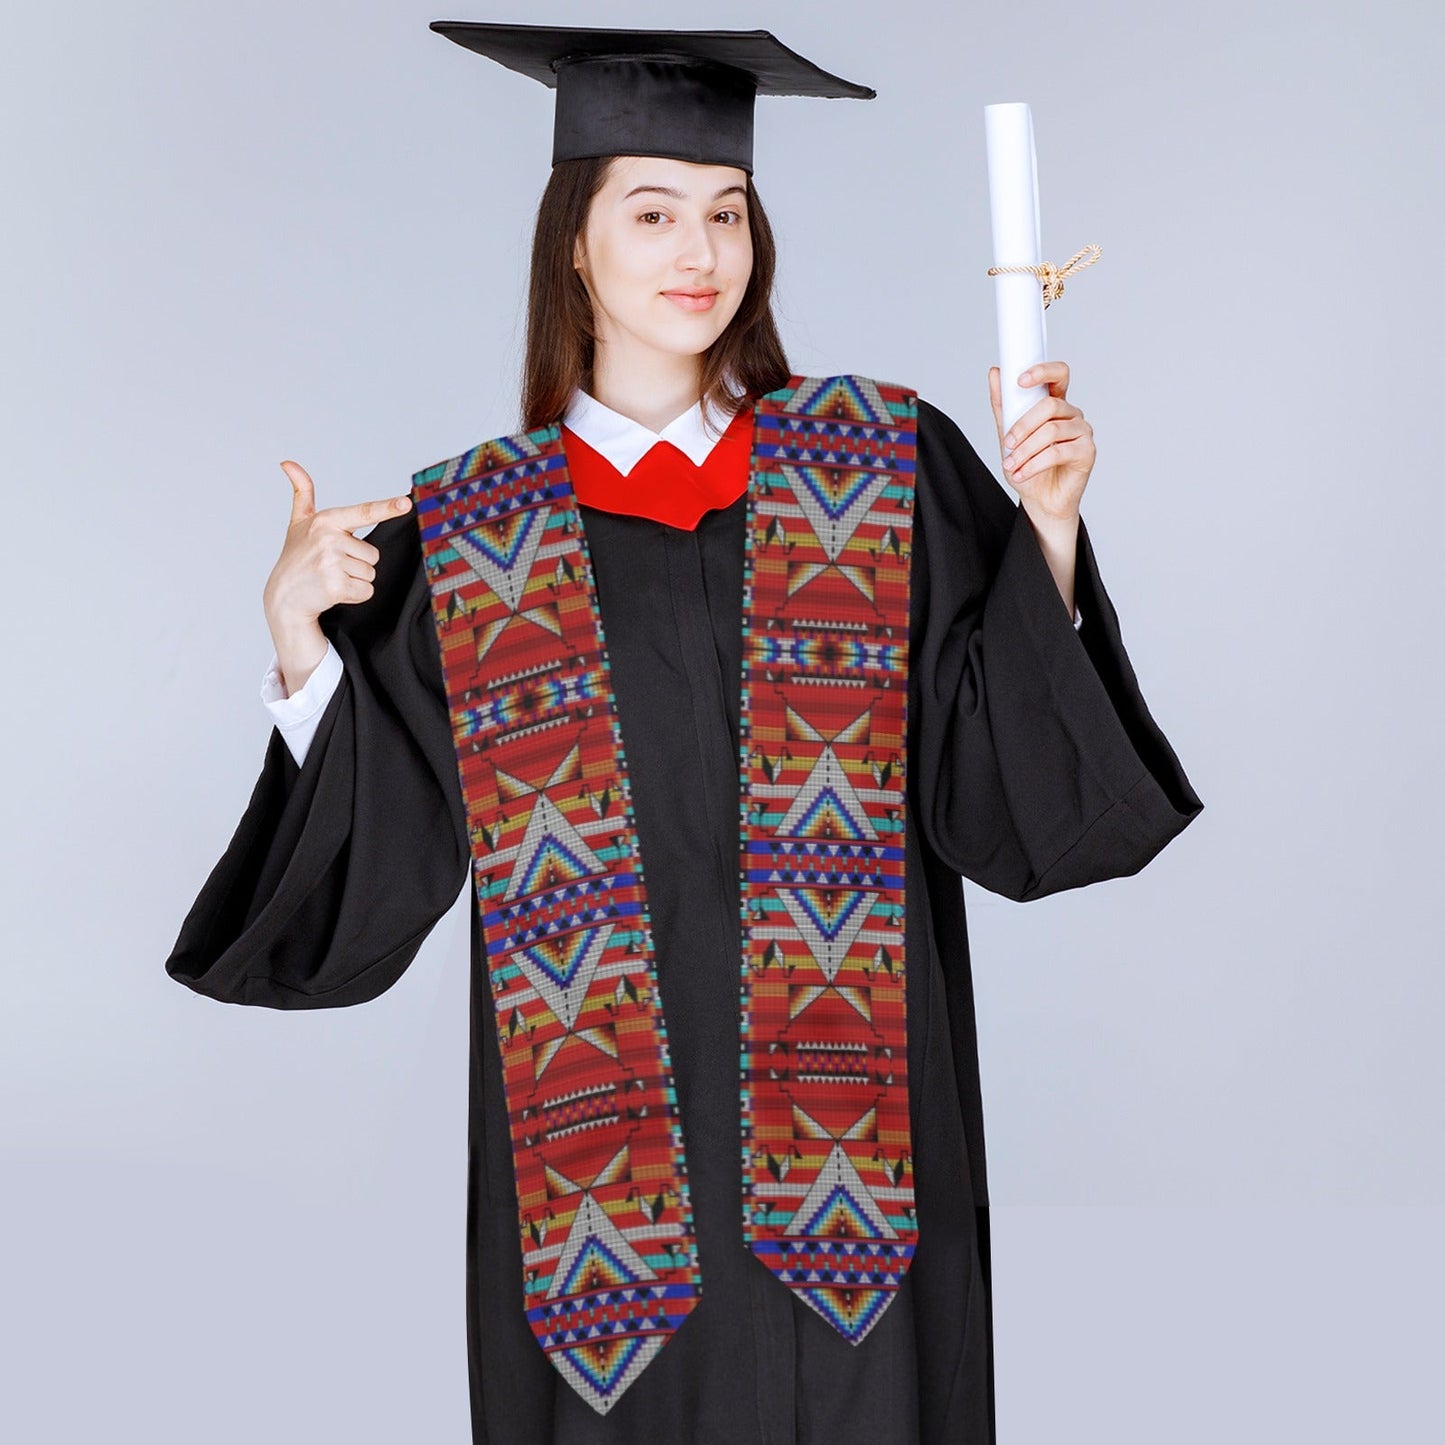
692, 300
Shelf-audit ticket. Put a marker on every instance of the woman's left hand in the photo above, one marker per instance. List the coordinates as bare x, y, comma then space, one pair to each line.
1052, 445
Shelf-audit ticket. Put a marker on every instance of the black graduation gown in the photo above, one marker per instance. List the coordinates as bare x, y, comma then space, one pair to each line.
1034, 766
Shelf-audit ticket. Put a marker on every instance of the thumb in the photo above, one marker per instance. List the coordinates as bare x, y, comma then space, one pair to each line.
303, 495
995, 396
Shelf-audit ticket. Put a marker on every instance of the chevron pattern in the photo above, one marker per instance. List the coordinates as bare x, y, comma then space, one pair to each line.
609, 1247
828, 1201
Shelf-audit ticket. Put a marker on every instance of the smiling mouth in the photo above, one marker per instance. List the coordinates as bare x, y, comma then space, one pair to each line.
692, 301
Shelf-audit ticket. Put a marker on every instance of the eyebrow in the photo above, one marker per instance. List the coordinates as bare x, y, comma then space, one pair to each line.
678, 195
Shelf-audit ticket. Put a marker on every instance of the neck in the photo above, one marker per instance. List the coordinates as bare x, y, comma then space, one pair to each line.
651, 387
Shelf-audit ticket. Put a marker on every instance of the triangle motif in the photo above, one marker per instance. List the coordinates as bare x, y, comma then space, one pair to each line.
501, 553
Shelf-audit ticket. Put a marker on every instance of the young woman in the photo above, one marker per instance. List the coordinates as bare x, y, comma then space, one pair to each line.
405, 755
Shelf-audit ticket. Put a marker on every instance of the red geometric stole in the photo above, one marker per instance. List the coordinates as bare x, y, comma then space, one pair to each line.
609, 1249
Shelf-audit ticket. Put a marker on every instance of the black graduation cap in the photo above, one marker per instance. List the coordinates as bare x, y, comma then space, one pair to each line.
687, 94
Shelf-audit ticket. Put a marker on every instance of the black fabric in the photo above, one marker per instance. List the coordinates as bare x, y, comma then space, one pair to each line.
682, 93
1034, 766
646, 107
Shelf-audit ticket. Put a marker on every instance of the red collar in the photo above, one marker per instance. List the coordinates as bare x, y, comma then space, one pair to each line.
665, 485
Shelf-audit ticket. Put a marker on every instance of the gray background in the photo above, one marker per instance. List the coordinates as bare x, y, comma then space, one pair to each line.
239, 234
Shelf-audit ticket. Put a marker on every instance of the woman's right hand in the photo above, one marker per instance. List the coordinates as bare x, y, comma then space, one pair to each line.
321, 564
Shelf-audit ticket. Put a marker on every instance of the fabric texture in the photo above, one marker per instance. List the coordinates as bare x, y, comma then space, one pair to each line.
1035, 766
614, 445
610, 1254
665, 484
624, 441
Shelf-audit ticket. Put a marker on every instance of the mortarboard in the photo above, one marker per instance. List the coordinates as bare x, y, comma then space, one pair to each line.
687, 94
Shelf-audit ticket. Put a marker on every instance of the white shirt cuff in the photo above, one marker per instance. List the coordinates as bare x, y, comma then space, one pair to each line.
299, 715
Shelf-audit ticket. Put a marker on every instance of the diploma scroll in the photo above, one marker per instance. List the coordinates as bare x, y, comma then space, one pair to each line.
1013, 195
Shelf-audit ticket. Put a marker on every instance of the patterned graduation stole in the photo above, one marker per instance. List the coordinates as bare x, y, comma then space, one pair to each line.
609, 1249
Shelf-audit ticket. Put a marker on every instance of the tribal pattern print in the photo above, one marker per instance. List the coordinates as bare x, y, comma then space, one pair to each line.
609, 1247
828, 1201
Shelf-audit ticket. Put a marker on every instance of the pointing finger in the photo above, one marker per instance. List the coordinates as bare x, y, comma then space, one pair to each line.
363, 514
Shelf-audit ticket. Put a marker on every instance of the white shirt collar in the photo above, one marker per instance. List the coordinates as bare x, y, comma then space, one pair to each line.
625, 442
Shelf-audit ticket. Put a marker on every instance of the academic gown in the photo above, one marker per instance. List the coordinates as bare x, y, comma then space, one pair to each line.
1033, 766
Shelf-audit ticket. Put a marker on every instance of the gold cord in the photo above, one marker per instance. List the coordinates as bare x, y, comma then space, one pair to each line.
1053, 276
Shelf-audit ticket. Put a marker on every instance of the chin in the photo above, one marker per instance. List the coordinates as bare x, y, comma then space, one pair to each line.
686, 342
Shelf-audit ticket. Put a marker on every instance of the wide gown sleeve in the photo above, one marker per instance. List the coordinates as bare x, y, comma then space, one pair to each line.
1035, 764
341, 867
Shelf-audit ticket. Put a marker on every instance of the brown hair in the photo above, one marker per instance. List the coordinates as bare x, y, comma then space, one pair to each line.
560, 338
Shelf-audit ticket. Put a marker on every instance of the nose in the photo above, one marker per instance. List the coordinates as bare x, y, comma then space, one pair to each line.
696, 248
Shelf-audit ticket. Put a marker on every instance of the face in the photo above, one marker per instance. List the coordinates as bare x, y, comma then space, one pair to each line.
657, 230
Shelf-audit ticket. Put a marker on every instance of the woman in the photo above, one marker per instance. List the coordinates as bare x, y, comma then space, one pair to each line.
1030, 765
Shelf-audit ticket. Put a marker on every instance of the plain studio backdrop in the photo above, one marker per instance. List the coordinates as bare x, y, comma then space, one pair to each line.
1214, 1094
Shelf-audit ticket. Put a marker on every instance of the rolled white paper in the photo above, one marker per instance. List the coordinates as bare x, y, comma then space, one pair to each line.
1013, 195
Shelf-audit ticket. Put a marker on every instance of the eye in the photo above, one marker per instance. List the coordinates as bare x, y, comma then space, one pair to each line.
737, 216
646, 214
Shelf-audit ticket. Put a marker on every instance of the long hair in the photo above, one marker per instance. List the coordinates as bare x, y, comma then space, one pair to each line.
561, 340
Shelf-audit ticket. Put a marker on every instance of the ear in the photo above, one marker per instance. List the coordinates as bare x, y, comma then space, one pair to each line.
579, 253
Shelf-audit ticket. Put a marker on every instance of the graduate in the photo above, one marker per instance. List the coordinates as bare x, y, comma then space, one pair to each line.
711, 682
